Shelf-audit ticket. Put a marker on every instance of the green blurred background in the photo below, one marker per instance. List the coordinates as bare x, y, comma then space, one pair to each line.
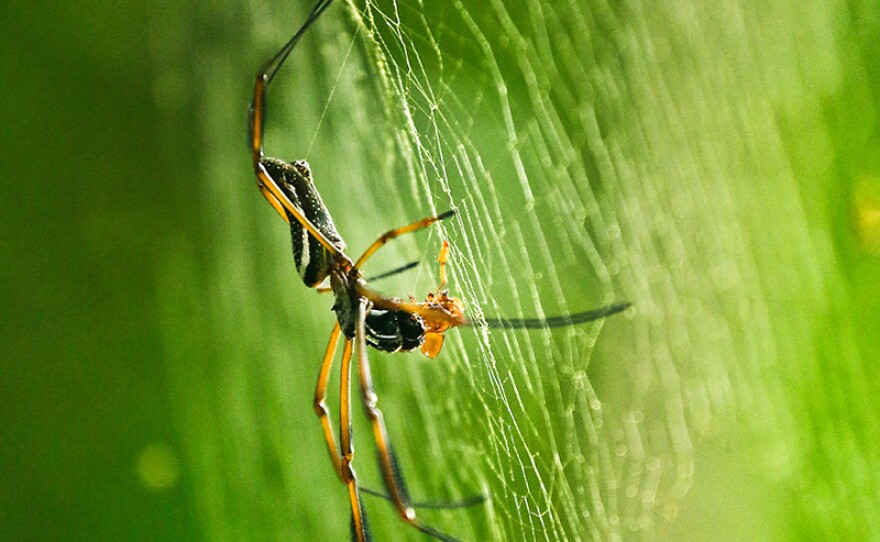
723, 162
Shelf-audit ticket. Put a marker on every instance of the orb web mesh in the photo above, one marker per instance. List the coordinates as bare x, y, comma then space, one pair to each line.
594, 152
504, 111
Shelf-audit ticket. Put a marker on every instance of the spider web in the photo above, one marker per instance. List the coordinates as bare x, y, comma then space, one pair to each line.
502, 112
553, 128
507, 114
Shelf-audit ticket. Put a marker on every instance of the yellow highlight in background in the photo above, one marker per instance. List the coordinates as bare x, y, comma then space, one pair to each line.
867, 214
157, 467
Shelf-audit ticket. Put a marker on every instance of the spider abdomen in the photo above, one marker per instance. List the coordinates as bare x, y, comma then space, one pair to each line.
312, 259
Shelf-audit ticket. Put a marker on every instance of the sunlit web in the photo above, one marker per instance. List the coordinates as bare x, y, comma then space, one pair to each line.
595, 151
498, 112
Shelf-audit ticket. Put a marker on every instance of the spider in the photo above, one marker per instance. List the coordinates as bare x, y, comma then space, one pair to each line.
364, 317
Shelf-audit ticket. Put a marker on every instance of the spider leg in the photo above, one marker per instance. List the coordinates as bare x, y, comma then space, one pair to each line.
426, 312
392, 272
434, 505
257, 111
380, 276
324, 416
321, 393
557, 321
279, 208
397, 232
360, 531
390, 471
257, 114
441, 259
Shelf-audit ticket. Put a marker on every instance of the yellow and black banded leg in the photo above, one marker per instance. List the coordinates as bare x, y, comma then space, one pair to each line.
391, 475
397, 232
360, 530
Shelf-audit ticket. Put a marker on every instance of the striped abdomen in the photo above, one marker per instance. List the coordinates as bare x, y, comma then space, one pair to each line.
312, 260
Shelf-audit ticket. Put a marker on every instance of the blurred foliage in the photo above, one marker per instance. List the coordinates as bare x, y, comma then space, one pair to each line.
159, 352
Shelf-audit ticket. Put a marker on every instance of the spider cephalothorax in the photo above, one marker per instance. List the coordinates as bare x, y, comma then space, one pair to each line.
388, 329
